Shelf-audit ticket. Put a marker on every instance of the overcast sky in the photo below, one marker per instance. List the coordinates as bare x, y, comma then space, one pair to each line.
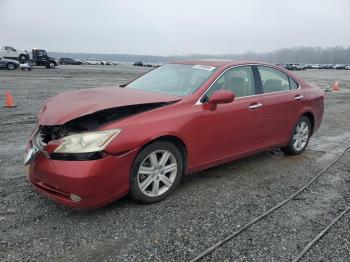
162, 27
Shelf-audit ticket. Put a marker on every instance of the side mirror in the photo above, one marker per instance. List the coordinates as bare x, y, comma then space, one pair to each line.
219, 97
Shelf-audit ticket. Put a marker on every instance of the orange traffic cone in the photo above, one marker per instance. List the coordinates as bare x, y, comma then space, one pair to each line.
336, 86
9, 99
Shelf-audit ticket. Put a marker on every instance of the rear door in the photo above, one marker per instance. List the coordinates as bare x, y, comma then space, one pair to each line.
282, 101
234, 128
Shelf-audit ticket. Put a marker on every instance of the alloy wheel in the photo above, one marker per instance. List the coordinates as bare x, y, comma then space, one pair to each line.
11, 66
301, 135
157, 173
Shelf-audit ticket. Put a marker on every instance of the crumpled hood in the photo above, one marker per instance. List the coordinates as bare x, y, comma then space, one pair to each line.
67, 106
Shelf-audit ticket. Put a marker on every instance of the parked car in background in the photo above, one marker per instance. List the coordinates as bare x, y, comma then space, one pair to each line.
308, 66
138, 64
94, 146
93, 61
299, 67
14, 54
148, 64
339, 66
317, 66
347, 67
277, 64
289, 66
10, 64
328, 66
69, 61
303, 66
100, 62
293, 67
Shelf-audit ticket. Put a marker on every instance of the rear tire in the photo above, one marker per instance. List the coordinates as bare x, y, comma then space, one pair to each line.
156, 172
22, 58
300, 137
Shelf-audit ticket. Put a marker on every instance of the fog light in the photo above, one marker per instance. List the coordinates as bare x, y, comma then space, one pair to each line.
75, 198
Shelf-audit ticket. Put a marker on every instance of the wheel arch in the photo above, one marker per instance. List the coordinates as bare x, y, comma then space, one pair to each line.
311, 118
10, 63
178, 142
23, 54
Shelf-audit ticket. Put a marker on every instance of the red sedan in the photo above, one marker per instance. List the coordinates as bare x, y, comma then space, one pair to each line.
94, 146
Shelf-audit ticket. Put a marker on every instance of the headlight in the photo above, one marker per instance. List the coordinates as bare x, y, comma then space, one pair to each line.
87, 142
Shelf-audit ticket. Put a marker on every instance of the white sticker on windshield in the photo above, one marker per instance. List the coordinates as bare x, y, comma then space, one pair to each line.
204, 67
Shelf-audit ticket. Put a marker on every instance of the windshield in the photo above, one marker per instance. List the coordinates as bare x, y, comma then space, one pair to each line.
174, 79
42, 53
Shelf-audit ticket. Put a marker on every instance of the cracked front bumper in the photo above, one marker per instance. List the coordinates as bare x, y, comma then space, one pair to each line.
96, 182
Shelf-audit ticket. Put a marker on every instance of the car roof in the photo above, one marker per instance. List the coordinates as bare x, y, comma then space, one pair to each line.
229, 63
216, 62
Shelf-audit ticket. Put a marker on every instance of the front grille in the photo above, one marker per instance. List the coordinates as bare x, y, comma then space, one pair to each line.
77, 156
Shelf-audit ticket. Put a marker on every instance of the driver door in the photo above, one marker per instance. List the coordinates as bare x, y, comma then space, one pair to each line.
41, 58
232, 129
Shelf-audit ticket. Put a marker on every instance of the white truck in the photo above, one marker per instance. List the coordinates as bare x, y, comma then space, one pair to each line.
15, 54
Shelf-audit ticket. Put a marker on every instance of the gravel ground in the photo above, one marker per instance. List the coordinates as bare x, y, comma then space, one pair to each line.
205, 208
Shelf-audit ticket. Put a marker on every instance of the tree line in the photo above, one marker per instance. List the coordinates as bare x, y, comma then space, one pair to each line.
312, 55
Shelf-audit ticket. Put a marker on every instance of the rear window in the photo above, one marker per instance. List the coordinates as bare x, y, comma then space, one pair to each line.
273, 80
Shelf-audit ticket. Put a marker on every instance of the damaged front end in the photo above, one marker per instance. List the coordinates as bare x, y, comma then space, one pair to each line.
79, 139
48, 139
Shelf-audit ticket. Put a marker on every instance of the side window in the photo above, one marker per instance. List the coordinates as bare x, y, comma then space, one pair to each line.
9, 48
41, 53
293, 84
239, 80
273, 80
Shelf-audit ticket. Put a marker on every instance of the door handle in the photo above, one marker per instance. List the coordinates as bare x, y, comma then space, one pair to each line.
298, 97
255, 106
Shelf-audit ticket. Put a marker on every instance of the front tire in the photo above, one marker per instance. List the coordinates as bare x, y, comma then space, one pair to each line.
51, 65
11, 66
300, 137
156, 172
